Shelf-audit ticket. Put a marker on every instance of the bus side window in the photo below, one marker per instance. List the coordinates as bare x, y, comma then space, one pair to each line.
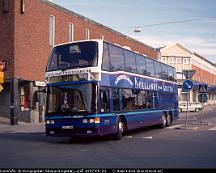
115, 96
105, 104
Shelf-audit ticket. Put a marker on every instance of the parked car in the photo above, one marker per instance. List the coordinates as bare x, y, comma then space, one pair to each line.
194, 106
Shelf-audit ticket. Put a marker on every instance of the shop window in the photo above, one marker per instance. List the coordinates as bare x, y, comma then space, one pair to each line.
25, 101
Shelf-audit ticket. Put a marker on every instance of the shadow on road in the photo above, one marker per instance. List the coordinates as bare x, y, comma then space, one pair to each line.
42, 138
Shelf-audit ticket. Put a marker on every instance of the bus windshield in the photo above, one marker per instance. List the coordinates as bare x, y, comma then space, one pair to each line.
76, 98
74, 55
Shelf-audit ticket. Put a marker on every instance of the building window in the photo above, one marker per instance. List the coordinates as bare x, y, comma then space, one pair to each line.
52, 30
179, 60
102, 37
70, 32
5, 6
186, 61
22, 6
87, 34
24, 99
163, 59
172, 60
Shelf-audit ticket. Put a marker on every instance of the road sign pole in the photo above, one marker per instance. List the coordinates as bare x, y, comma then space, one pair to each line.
201, 109
202, 99
186, 121
201, 114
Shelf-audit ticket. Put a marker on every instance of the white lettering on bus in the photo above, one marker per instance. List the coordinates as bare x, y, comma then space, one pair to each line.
145, 85
123, 77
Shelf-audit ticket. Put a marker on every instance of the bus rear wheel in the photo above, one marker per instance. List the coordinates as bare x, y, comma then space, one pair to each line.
168, 119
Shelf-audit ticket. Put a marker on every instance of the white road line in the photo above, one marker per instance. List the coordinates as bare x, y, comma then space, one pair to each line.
147, 137
190, 118
214, 128
175, 126
128, 137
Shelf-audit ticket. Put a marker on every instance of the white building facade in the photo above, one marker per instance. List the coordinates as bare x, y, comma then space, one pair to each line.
182, 58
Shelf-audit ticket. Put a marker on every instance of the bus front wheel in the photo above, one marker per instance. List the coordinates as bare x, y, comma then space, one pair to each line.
163, 121
120, 129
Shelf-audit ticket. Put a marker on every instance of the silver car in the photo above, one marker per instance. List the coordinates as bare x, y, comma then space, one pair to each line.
194, 106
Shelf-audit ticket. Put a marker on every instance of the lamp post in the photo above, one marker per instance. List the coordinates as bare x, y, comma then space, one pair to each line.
137, 29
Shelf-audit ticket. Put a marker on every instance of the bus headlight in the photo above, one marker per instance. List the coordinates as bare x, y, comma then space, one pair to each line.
97, 120
91, 120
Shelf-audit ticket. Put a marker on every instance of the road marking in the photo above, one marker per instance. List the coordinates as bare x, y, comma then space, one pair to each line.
83, 150
214, 128
128, 137
191, 118
175, 126
147, 137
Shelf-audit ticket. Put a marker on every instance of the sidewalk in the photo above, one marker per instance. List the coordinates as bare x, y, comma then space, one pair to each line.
22, 127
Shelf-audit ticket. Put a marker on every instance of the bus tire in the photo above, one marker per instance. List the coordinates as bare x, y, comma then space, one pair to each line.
163, 121
168, 119
120, 125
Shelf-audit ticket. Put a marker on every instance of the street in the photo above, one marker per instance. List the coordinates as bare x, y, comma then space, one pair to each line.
172, 147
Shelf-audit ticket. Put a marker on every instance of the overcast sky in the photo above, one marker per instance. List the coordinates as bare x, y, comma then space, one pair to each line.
198, 35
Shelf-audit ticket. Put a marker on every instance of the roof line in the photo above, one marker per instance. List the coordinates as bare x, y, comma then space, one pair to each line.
183, 47
196, 54
51, 4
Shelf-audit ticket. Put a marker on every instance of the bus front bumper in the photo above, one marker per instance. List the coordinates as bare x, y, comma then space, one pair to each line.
72, 131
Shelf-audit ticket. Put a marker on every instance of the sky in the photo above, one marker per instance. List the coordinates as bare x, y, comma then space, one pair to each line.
198, 34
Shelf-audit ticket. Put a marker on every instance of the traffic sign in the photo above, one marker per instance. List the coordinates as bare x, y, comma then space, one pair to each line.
202, 97
1, 87
203, 88
187, 85
188, 73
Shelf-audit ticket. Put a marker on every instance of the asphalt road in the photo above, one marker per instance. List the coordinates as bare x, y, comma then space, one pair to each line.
174, 147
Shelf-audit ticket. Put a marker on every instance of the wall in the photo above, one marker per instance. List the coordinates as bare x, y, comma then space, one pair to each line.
7, 37
32, 36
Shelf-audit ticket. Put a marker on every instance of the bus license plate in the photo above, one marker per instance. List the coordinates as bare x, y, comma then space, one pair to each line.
67, 127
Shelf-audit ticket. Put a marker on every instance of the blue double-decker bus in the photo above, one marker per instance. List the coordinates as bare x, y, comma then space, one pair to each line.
96, 88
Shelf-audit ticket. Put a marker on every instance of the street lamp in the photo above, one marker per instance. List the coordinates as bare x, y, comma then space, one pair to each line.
137, 29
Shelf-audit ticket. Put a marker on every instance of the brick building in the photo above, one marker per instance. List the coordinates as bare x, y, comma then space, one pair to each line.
28, 30
182, 58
